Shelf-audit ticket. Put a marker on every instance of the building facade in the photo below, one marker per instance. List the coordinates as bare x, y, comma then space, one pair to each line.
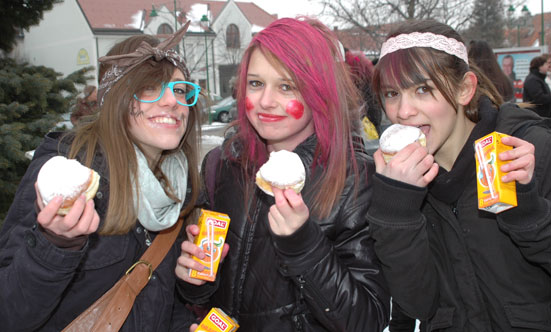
75, 33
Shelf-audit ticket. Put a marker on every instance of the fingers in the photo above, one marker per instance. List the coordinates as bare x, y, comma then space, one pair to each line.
288, 213
39, 200
225, 251
82, 219
412, 165
522, 160
193, 327
379, 161
192, 231
185, 262
48, 213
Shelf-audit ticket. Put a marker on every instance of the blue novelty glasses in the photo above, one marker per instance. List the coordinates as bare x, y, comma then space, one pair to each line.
186, 93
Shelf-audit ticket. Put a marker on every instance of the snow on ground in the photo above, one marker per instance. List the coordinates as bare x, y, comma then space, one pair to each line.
212, 140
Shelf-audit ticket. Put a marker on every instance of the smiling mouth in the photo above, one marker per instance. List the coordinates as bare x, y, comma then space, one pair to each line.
164, 120
270, 117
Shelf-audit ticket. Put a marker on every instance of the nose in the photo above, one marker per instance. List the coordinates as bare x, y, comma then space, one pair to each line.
168, 98
267, 99
407, 108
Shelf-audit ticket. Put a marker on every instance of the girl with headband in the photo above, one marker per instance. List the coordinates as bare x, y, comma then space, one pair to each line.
447, 262
296, 262
143, 143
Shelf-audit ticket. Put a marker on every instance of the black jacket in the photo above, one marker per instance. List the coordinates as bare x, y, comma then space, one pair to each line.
43, 287
537, 92
324, 277
460, 268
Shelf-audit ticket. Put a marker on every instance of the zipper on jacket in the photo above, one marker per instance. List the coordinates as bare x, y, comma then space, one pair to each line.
244, 255
304, 284
454, 209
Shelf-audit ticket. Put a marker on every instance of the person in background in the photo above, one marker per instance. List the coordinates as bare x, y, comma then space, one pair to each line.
484, 57
85, 106
53, 267
448, 263
536, 91
361, 69
508, 67
296, 261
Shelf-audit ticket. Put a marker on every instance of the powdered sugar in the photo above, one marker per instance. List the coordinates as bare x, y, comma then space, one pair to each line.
60, 176
283, 168
397, 137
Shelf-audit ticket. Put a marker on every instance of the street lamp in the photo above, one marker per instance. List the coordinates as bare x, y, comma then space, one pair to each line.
205, 25
525, 13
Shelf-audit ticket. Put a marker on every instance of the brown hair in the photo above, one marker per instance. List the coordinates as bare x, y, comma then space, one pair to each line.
409, 67
537, 62
482, 54
109, 133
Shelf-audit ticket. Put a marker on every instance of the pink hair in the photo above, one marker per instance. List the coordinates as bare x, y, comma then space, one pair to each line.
308, 51
299, 47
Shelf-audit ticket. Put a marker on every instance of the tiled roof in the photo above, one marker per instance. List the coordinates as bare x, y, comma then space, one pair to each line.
127, 14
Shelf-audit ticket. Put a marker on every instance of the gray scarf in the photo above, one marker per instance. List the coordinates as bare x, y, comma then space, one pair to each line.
157, 211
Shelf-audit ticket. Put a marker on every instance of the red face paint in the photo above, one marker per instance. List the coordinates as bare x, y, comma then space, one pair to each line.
295, 109
248, 104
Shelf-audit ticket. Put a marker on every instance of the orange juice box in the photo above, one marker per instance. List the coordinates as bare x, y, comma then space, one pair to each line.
493, 194
213, 227
217, 321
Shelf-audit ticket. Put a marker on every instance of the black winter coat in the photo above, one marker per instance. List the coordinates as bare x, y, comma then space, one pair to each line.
536, 91
460, 268
324, 277
43, 287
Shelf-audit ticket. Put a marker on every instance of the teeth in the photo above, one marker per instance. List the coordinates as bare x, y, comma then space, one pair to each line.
166, 120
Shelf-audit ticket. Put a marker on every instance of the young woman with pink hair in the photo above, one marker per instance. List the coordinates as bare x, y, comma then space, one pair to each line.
296, 262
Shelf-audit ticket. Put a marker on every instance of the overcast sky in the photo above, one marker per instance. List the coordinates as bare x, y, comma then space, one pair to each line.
292, 8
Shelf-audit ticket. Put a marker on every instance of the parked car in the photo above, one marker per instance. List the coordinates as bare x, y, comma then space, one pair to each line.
224, 110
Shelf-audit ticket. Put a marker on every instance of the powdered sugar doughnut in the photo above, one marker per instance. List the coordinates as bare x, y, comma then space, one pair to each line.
283, 170
67, 178
397, 137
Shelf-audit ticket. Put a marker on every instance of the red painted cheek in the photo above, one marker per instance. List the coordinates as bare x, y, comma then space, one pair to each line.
295, 109
248, 104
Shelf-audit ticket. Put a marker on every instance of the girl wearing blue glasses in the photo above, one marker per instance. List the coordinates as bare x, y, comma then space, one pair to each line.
141, 142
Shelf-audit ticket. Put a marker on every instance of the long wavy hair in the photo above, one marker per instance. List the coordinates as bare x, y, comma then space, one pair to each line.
482, 54
409, 67
309, 52
108, 133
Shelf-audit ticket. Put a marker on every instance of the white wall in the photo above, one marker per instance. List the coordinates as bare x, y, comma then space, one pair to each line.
63, 40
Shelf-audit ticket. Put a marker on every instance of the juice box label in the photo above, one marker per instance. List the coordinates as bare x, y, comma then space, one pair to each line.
217, 321
493, 194
213, 227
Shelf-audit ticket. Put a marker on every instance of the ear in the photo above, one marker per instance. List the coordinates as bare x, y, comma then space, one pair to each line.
467, 88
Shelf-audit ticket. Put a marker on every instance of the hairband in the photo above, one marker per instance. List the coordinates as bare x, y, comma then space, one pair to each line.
124, 63
425, 39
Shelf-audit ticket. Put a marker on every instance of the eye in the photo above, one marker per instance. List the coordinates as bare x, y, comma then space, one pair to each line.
287, 87
423, 89
255, 84
389, 94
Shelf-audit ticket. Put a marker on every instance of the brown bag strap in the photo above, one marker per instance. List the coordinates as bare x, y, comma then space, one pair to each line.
109, 312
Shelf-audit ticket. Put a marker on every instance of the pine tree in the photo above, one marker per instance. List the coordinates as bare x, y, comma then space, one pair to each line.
488, 22
17, 15
32, 100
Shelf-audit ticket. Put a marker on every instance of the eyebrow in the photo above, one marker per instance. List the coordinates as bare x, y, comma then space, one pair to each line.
281, 79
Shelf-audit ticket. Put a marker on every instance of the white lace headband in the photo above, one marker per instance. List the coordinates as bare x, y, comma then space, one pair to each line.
425, 39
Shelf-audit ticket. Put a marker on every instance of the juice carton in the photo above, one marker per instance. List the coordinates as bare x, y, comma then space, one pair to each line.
217, 321
493, 194
213, 227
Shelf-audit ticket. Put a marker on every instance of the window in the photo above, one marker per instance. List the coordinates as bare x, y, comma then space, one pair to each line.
232, 36
164, 29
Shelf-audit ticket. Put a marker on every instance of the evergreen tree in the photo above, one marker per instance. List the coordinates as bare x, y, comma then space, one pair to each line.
19, 14
32, 100
487, 23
